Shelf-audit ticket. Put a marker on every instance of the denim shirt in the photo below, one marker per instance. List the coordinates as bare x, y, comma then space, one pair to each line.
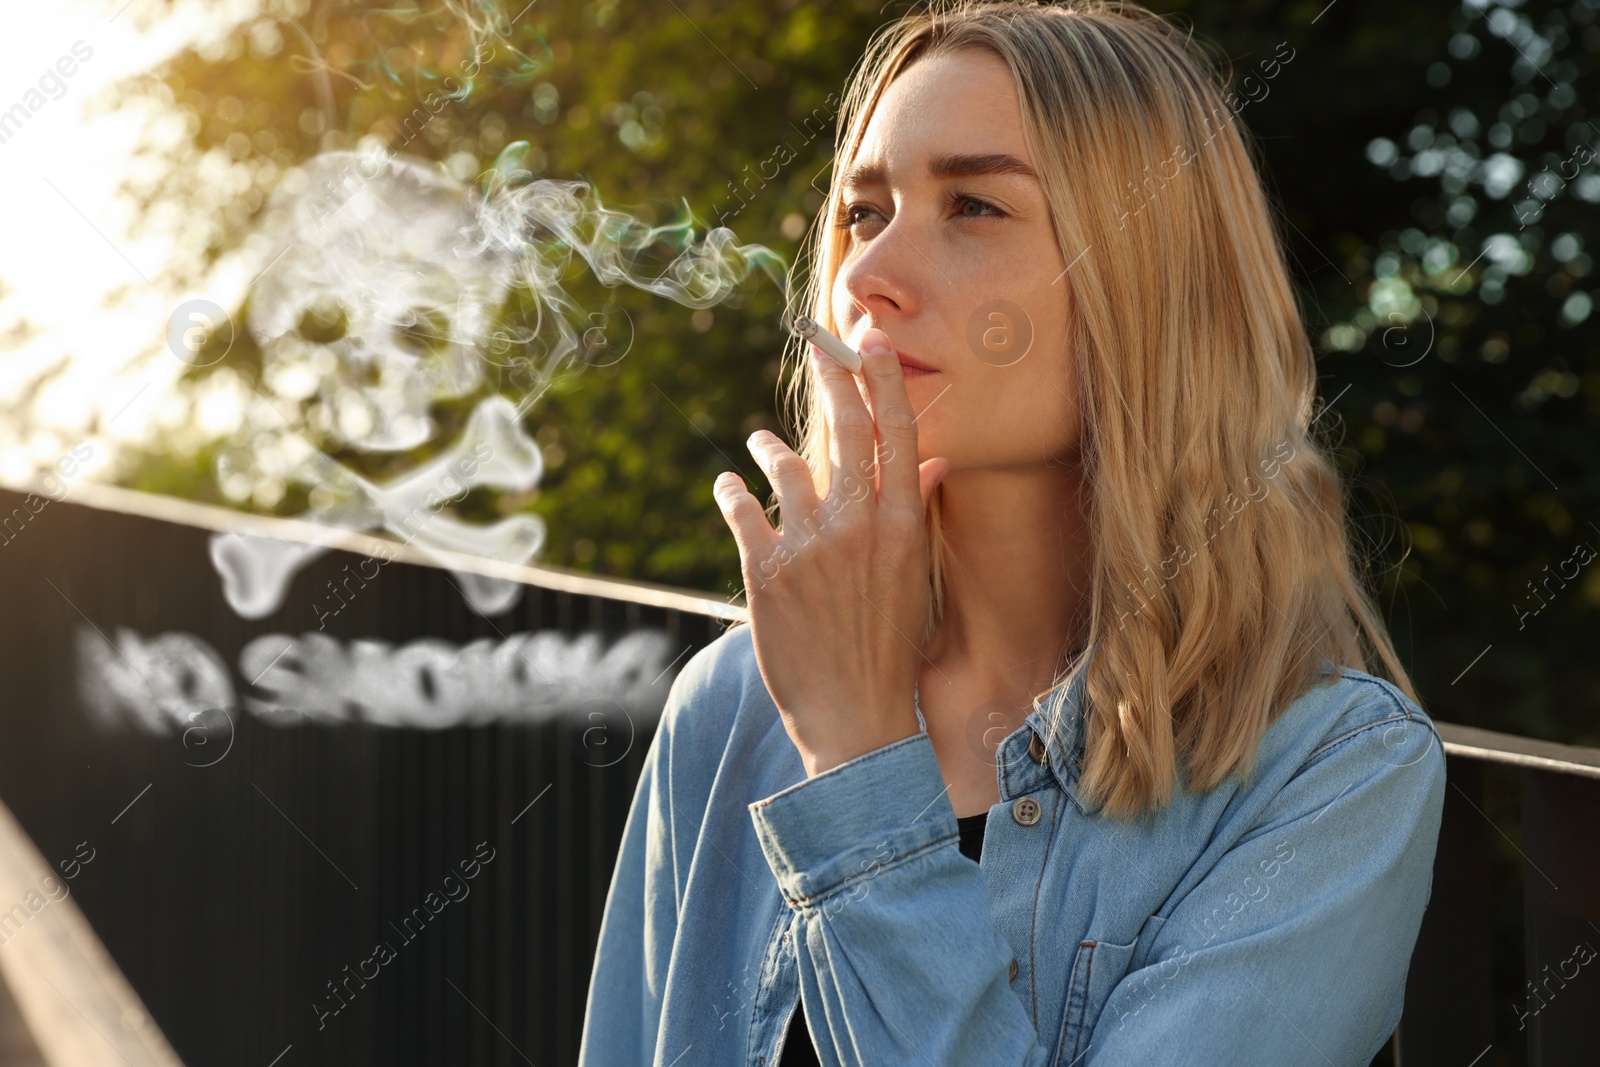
1269, 920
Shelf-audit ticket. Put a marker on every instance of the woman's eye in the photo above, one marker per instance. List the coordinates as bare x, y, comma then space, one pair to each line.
854, 215
973, 208
851, 216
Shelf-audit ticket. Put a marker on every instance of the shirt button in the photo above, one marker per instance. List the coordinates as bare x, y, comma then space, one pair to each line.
1013, 977
1026, 811
1036, 750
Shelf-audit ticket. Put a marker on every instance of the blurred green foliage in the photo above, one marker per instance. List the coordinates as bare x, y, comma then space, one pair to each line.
1463, 379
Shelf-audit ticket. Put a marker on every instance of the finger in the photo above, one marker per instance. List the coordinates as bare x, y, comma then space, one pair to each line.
929, 474
896, 422
790, 476
744, 515
851, 439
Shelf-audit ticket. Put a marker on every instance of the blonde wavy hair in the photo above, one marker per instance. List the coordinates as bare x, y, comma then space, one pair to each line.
1196, 381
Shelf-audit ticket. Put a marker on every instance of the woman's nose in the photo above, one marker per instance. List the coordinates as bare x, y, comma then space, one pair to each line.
886, 274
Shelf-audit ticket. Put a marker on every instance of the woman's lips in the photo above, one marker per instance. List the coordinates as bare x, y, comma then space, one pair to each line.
913, 367
910, 366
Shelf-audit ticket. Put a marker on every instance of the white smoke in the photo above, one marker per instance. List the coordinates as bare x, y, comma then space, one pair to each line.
176, 682
387, 298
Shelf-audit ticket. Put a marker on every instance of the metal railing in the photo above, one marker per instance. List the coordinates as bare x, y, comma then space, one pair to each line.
67, 1001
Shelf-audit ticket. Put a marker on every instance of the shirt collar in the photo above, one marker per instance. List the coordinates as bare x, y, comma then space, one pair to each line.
1057, 722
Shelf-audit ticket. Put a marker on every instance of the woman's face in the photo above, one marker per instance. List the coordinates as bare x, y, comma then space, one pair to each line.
949, 249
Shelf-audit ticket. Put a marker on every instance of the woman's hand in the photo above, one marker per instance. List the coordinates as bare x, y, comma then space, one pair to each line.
839, 599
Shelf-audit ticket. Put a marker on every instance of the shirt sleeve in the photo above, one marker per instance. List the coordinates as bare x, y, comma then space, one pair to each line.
899, 961
1294, 946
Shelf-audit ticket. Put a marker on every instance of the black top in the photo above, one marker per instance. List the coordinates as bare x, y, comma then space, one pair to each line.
798, 1050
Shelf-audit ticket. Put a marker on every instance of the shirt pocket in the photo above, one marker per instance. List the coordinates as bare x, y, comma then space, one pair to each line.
1096, 969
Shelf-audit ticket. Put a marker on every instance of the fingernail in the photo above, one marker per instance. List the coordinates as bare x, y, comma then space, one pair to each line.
875, 343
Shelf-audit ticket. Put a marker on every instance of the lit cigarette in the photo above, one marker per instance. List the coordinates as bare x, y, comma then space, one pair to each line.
842, 353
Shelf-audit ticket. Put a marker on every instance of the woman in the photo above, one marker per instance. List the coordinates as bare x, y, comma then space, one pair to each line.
1065, 573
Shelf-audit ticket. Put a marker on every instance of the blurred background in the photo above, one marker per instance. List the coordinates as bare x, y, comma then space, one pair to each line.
1433, 167
181, 235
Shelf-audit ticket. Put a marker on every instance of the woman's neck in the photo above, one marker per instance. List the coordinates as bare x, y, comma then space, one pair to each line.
1016, 591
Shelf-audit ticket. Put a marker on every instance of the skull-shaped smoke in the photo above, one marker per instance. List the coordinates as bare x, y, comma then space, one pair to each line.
384, 288
387, 298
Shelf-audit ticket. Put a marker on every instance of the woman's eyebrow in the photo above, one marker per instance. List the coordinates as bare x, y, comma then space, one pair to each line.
945, 165
956, 165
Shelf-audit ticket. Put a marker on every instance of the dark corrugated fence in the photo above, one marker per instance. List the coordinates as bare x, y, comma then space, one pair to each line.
244, 872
